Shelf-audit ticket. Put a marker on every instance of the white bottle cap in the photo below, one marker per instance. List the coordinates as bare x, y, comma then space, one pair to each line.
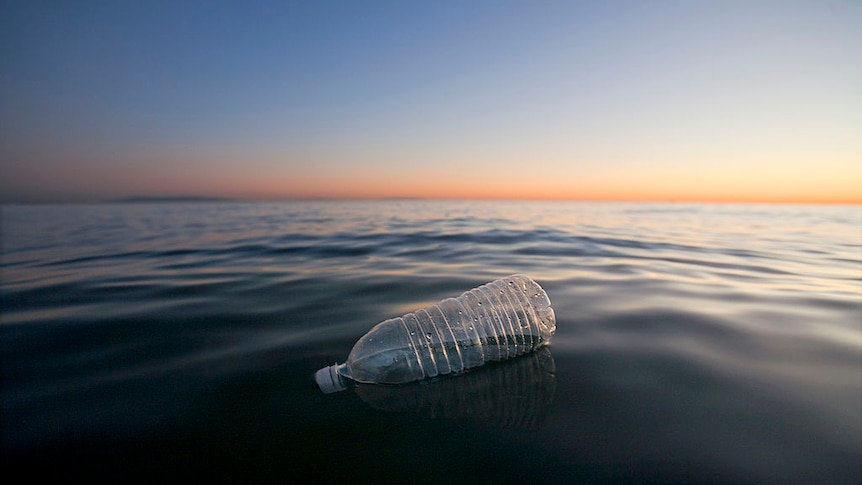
329, 380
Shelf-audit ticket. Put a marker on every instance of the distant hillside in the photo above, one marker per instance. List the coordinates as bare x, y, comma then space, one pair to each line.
189, 198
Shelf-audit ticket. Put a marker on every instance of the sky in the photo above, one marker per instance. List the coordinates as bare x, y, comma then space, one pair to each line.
739, 101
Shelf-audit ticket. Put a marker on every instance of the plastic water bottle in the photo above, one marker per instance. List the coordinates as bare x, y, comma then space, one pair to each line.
496, 321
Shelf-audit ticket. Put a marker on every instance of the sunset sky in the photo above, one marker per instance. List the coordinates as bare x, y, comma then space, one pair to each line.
644, 100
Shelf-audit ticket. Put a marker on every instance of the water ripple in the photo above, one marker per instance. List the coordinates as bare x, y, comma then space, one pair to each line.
707, 334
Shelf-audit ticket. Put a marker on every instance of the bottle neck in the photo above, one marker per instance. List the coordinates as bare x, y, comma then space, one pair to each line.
330, 379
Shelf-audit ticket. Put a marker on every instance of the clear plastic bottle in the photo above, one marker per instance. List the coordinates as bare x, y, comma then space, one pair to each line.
496, 321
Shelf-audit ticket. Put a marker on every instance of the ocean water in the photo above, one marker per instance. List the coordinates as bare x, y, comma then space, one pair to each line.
147, 342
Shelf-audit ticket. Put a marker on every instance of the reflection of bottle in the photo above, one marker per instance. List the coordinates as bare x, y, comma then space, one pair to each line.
514, 394
496, 321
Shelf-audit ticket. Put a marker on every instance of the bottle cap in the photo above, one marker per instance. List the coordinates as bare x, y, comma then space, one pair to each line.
329, 380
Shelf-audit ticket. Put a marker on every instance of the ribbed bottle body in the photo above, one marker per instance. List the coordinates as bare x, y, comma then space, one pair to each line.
497, 321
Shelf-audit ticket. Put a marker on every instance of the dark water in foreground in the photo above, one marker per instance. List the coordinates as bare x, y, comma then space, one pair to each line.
695, 343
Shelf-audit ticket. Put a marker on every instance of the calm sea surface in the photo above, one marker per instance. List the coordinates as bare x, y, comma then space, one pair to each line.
695, 343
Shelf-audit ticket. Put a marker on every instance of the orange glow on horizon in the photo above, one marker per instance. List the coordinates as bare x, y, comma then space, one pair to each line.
639, 187
353, 190
272, 177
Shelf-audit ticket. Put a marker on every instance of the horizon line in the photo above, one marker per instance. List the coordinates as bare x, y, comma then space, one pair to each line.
215, 199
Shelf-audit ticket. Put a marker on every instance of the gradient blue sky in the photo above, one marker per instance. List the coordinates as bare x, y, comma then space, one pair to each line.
646, 100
